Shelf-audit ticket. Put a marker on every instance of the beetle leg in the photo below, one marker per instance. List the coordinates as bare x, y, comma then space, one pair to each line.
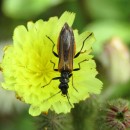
53, 46
51, 80
53, 66
82, 46
76, 69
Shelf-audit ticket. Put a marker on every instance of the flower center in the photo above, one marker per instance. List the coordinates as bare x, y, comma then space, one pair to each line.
120, 116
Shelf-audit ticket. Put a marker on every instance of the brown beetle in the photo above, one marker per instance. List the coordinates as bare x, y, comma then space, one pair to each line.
66, 49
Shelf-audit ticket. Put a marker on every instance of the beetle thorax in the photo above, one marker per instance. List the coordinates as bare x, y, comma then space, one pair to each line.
64, 82
64, 77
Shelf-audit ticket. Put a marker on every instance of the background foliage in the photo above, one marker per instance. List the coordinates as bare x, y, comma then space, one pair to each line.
110, 22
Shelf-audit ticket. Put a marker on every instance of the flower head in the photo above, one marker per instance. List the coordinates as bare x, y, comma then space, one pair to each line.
53, 121
116, 116
27, 68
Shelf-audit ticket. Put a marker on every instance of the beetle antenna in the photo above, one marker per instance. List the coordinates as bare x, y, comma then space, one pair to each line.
69, 100
52, 96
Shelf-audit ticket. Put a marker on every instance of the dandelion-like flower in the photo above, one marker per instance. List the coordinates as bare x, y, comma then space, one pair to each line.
27, 68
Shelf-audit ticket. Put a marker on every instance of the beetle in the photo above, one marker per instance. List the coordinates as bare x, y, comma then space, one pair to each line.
66, 49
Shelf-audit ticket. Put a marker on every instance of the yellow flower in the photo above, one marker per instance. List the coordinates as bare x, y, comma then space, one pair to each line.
27, 68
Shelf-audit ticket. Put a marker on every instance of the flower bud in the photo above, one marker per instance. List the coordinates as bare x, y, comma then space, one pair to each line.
116, 59
115, 115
